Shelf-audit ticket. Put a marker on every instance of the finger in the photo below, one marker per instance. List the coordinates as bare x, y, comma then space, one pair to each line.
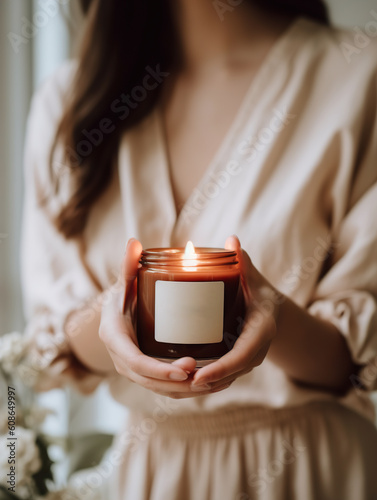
216, 385
183, 395
243, 356
245, 264
135, 362
221, 388
119, 336
129, 270
232, 243
175, 390
168, 387
178, 390
225, 381
131, 259
188, 364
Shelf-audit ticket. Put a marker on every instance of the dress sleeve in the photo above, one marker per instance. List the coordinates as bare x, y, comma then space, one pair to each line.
54, 280
347, 293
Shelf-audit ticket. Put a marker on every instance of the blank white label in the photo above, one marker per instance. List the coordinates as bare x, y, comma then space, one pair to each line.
189, 312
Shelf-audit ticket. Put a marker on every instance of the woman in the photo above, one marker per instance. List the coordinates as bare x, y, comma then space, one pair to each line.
196, 120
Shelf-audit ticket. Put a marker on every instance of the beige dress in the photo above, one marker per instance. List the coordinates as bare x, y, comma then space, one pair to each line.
295, 179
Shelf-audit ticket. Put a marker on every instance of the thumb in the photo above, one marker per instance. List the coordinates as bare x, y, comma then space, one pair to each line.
233, 243
130, 265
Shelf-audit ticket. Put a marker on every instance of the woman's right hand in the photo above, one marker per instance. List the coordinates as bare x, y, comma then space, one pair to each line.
118, 334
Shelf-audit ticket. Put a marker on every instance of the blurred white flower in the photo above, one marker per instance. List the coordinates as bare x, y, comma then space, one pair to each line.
24, 490
36, 415
21, 367
28, 458
3, 420
65, 494
26, 372
13, 347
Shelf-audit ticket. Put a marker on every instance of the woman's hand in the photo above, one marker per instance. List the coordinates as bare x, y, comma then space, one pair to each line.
259, 328
309, 350
119, 336
180, 379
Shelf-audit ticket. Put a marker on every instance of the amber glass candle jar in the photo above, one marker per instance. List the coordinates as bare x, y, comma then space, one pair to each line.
189, 303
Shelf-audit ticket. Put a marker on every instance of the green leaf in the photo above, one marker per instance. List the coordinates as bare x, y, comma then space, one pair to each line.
87, 451
45, 473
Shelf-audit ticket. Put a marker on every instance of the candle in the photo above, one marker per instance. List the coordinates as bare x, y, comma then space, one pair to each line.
190, 303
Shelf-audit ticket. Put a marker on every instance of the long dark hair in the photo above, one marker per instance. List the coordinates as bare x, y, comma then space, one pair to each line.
127, 47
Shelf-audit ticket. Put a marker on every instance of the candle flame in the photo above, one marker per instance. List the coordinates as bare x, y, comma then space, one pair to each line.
190, 251
189, 257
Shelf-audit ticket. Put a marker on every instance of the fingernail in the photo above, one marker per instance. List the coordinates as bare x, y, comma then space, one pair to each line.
179, 377
199, 388
128, 243
203, 381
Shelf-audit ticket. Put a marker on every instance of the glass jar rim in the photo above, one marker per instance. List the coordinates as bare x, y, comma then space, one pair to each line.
204, 256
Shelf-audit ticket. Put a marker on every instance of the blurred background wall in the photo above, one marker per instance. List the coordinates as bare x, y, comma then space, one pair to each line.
23, 66
27, 56
351, 13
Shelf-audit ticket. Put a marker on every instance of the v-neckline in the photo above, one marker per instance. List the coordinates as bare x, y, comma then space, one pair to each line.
272, 58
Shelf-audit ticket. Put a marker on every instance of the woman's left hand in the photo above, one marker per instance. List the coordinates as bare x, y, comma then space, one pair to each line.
259, 328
